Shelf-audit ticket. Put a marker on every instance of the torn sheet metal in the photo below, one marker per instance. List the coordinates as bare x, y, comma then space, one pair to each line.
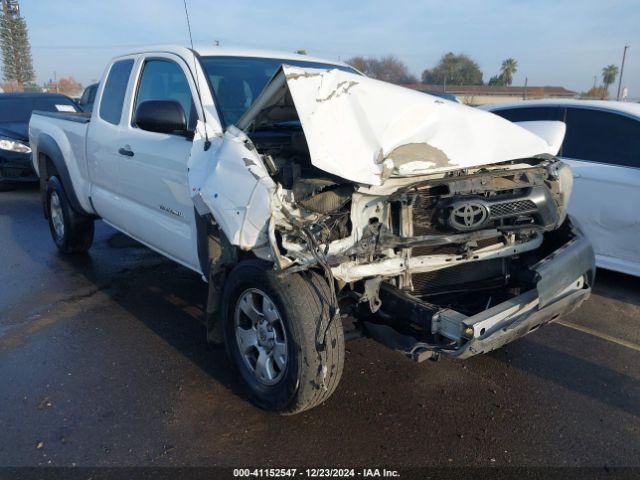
230, 181
365, 130
200, 163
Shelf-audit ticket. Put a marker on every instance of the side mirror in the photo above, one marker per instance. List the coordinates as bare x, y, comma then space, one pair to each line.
161, 116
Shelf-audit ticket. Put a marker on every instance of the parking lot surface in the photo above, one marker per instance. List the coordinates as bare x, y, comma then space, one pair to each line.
103, 362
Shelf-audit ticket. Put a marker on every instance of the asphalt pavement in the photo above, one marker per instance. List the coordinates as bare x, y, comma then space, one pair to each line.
103, 362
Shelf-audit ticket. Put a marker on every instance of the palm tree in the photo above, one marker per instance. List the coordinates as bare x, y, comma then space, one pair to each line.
609, 74
508, 70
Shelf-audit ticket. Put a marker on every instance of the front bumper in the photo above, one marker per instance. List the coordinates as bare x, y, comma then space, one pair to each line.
563, 282
16, 167
502, 329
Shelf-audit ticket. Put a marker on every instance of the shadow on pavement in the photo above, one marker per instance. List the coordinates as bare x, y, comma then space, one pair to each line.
168, 299
581, 376
618, 286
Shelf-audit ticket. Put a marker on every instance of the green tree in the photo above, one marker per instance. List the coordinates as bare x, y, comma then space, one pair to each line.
455, 70
609, 74
14, 41
497, 81
389, 69
508, 70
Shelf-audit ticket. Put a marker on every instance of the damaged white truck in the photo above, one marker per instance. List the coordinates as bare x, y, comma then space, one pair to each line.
303, 192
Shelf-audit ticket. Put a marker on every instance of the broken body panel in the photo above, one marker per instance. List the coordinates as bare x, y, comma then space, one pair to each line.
381, 186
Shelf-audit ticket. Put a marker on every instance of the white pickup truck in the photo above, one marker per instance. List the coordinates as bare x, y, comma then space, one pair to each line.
303, 192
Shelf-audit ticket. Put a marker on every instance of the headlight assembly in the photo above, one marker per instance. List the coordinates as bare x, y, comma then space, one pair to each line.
14, 146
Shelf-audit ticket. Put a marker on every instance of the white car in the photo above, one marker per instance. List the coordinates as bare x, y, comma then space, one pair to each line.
294, 185
602, 145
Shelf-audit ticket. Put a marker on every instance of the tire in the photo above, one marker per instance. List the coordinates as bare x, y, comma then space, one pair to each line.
297, 307
71, 231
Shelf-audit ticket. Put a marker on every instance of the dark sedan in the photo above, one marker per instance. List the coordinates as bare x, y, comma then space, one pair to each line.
15, 112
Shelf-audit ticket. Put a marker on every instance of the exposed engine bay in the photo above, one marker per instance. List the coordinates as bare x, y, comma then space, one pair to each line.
420, 233
462, 241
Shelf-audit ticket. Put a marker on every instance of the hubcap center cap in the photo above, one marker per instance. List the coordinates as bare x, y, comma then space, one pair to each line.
266, 335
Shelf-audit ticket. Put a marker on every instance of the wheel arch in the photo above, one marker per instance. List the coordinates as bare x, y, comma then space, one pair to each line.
51, 162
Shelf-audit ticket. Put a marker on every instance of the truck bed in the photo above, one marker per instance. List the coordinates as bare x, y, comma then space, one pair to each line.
63, 135
80, 117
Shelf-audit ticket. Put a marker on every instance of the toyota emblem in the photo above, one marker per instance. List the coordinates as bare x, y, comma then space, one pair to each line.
468, 215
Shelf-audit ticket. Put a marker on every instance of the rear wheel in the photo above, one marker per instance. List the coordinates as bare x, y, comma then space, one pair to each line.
281, 338
71, 232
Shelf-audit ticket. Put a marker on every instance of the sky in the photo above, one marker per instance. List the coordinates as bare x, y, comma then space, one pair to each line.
556, 42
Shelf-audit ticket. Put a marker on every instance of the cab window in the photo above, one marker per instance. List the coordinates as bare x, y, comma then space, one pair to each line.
164, 80
114, 91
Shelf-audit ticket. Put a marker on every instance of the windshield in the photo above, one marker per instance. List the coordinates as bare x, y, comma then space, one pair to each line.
18, 109
237, 81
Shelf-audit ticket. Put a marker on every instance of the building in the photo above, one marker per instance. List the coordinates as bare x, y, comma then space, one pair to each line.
486, 94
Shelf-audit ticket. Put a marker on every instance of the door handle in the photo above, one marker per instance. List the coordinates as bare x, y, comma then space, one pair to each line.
126, 152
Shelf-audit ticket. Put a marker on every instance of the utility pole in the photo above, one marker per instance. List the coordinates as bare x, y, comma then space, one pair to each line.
624, 54
526, 81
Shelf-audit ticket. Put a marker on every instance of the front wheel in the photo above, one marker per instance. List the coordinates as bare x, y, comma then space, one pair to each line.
71, 232
280, 335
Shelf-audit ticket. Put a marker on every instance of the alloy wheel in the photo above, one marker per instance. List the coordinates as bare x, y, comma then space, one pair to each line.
261, 336
57, 216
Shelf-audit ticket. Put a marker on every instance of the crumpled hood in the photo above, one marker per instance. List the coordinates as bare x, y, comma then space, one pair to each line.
366, 130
